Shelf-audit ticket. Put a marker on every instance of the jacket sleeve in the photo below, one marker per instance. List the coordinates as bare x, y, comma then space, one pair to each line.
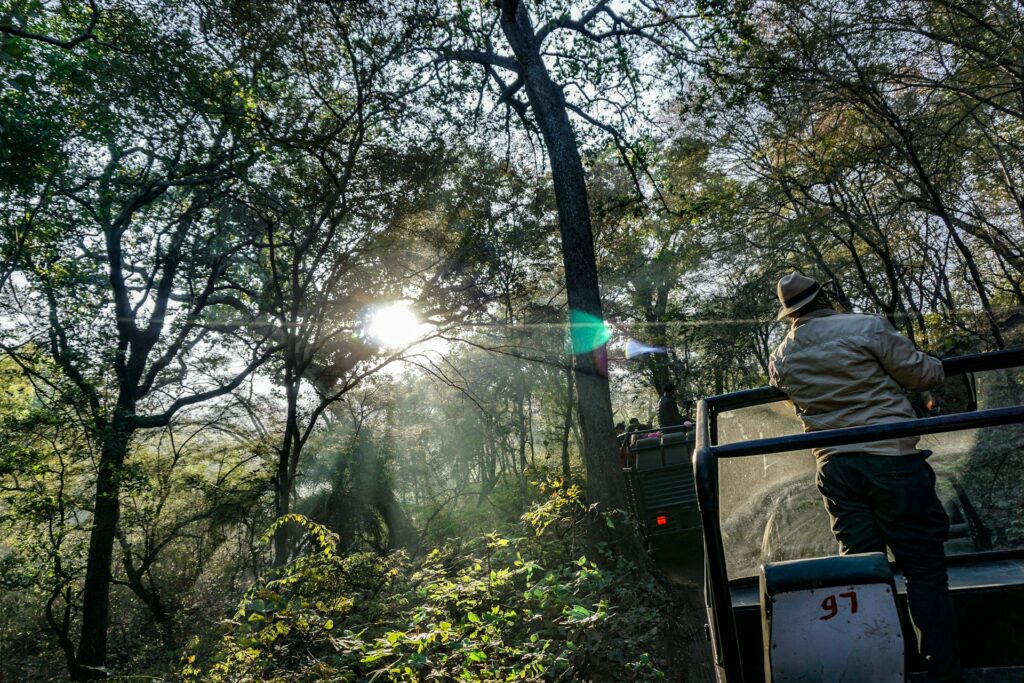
913, 369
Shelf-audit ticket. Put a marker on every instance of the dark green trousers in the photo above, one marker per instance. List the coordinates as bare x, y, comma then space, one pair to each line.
878, 501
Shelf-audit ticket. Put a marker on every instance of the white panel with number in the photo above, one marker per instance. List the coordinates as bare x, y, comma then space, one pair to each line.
849, 633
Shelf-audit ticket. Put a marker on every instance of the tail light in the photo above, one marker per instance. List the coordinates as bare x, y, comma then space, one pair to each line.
661, 520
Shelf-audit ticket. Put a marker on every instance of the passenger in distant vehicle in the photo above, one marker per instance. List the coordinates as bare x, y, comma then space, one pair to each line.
620, 434
669, 418
849, 370
632, 434
636, 426
688, 412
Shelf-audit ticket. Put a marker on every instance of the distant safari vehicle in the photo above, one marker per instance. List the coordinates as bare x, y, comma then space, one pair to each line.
781, 605
661, 493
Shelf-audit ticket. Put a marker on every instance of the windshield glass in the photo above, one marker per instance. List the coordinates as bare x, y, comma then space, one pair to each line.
771, 509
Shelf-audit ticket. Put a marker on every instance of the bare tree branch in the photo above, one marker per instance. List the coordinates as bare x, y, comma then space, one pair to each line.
478, 57
86, 34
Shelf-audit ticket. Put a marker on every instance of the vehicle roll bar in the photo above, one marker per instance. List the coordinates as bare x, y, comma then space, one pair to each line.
955, 365
707, 451
835, 437
723, 626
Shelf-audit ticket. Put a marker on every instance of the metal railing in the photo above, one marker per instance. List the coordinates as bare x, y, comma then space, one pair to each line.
707, 452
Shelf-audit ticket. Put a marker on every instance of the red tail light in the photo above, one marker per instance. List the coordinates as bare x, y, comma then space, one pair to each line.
661, 520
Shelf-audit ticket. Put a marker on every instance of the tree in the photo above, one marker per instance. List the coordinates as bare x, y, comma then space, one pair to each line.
119, 287
603, 37
906, 100
326, 234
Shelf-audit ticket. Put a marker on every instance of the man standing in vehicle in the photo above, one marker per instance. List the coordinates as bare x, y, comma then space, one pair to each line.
849, 370
669, 418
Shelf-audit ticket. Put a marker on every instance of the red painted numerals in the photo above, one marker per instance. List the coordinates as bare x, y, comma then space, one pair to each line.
831, 605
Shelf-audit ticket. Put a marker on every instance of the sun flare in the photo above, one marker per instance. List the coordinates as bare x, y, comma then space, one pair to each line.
393, 325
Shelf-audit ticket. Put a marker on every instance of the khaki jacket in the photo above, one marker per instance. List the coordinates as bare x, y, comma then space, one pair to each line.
847, 370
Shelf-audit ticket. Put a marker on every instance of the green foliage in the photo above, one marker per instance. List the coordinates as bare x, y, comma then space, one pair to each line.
529, 605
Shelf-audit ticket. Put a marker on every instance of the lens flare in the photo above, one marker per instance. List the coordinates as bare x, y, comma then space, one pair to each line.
587, 332
637, 349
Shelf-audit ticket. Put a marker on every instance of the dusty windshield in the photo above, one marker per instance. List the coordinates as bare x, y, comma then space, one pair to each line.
771, 510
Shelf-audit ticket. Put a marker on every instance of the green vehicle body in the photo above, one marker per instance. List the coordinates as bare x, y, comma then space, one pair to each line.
662, 495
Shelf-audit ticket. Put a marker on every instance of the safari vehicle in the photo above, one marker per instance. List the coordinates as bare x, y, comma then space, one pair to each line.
776, 612
661, 493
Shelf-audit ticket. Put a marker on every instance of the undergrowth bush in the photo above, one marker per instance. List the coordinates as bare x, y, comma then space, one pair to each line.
526, 605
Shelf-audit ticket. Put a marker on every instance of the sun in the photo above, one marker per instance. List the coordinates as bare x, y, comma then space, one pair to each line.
392, 326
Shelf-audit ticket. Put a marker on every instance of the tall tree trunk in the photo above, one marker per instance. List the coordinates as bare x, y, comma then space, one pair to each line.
593, 397
529, 425
92, 645
655, 305
282, 498
283, 478
567, 423
401, 532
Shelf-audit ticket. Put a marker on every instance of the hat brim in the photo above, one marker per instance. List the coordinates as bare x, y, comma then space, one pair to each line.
783, 312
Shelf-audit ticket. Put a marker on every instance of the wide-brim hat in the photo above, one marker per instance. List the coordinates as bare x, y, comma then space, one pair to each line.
795, 291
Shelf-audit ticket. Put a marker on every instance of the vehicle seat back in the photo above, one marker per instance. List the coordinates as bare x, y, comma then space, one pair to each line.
678, 448
831, 619
648, 453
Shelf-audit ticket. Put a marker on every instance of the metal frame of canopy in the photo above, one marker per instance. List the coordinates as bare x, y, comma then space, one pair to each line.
707, 453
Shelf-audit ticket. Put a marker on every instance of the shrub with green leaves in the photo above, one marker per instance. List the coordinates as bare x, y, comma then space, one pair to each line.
517, 607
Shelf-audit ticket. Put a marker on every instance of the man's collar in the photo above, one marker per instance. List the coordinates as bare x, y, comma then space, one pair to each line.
818, 313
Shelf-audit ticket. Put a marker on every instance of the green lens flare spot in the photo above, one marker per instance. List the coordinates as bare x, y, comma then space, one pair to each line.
587, 332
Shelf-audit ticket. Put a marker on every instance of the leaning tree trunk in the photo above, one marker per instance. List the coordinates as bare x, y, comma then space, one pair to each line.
600, 455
